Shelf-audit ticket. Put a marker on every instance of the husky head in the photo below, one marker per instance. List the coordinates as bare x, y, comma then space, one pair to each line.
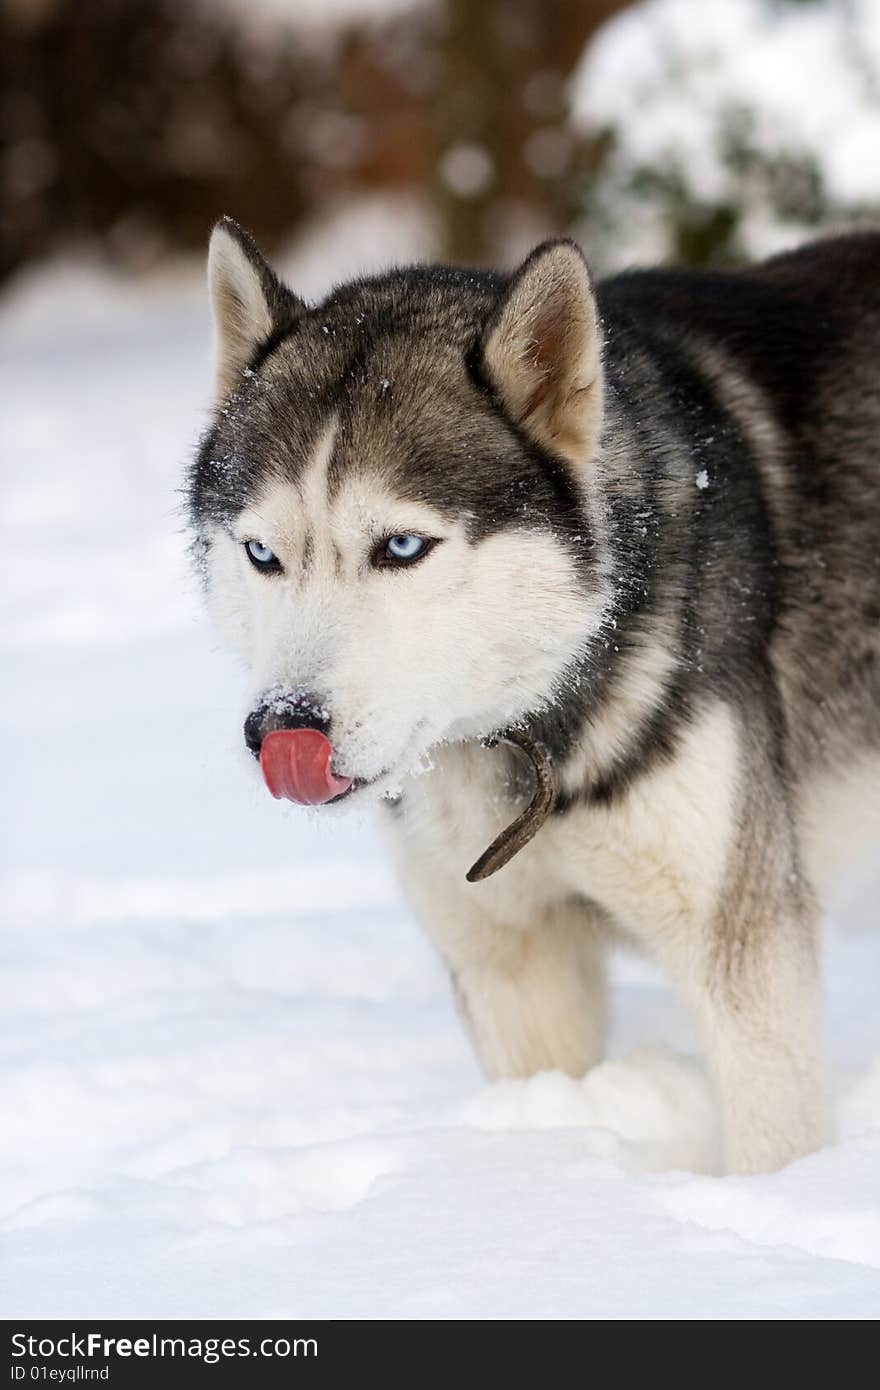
395, 504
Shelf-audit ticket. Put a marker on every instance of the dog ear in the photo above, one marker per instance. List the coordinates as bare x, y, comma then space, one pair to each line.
541, 352
249, 301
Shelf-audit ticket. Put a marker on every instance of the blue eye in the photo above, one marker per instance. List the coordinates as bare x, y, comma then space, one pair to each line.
261, 557
402, 550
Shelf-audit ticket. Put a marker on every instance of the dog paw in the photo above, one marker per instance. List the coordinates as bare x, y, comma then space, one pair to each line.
651, 1111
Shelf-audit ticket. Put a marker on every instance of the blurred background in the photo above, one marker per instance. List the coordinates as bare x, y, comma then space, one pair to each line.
662, 129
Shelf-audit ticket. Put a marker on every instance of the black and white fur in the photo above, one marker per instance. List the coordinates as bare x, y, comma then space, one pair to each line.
654, 508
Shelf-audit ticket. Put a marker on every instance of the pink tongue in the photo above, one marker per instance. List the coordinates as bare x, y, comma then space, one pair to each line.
296, 764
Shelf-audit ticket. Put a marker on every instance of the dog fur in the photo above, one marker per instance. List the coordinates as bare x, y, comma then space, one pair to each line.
654, 517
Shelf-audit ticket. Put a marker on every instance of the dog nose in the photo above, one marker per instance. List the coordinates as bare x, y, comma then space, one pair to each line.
296, 710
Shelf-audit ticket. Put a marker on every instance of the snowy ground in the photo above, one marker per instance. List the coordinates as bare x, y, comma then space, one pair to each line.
232, 1082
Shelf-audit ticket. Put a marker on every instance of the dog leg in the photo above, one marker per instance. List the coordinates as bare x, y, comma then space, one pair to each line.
711, 885
531, 993
753, 982
535, 1000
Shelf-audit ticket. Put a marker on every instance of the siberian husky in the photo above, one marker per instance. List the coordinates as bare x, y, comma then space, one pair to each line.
631, 527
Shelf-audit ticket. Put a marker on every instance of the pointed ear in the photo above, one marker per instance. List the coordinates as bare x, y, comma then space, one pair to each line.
541, 351
249, 301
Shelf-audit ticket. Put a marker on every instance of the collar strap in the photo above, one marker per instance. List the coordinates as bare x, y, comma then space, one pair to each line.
527, 825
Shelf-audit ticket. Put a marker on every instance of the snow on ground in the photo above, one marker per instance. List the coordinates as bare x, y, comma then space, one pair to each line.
231, 1078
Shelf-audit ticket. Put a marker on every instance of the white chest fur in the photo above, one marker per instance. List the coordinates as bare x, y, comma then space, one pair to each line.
652, 858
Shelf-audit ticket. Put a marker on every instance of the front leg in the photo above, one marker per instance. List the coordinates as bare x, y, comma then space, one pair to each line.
530, 989
752, 977
700, 862
535, 1000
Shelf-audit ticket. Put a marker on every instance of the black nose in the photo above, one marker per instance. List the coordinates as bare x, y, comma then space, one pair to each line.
294, 710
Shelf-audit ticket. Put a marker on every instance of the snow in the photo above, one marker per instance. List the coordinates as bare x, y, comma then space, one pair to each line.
796, 84
232, 1079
